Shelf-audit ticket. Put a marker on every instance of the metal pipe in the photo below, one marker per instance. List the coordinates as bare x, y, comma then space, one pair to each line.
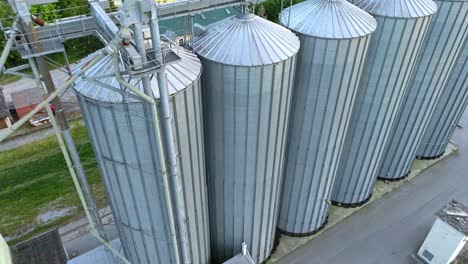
192, 29
56, 129
65, 128
67, 62
166, 187
8, 46
6, 52
140, 46
8, 131
169, 140
94, 233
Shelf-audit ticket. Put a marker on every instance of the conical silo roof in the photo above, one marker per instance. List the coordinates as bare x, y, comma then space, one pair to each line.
330, 19
398, 8
246, 40
180, 75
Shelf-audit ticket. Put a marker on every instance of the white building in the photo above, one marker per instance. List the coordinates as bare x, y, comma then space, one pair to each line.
448, 235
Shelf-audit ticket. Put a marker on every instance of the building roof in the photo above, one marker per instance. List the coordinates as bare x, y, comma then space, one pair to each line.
3, 106
241, 258
26, 97
100, 255
330, 19
180, 75
181, 25
456, 215
398, 8
246, 40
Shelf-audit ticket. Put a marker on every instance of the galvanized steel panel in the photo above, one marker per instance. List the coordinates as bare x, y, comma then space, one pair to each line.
442, 46
327, 79
246, 117
328, 19
397, 8
392, 55
123, 137
452, 103
246, 40
180, 76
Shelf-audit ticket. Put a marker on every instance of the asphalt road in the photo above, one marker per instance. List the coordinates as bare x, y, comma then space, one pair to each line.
391, 229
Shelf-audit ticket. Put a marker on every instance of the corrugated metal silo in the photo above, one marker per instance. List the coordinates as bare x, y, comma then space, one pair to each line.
248, 72
393, 50
334, 37
442, 47
449, 109
123, 136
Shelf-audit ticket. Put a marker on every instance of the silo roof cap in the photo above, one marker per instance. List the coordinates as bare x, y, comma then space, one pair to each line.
329, 19
246, 40
398, 8
180, 75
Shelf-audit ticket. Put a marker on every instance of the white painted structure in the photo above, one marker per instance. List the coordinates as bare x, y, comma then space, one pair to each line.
5, 256
448, 235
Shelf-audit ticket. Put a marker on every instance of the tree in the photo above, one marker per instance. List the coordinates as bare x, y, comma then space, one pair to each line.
7, 17
261, 11
272, 8
77, 48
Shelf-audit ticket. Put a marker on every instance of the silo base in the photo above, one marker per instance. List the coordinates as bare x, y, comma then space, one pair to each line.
394, 179
304, 234
351, 205
430, 158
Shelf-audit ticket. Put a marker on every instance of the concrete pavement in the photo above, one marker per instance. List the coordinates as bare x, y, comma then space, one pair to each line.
391, 229
76, 238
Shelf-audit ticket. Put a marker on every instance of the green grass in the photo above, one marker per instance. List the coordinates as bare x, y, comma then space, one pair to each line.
34, 179
7, 78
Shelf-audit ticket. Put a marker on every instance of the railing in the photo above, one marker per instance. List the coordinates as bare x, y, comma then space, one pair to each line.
135, 65
186, 7
29, 45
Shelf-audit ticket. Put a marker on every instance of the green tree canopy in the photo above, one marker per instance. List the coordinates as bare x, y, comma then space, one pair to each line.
270, 9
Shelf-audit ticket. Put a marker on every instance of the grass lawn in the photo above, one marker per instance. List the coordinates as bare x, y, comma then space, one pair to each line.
34, 180
7, 78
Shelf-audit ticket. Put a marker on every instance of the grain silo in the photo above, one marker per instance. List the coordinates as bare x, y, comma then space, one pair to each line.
442, 47
248, 73
393, 50
334, 37
449, 109
122, 133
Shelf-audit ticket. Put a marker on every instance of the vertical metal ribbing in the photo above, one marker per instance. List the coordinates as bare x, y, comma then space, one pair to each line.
133, 180
125, 149
442, 46
392, 55
452, 103
246, 109
327, 79
188, 134
102, 169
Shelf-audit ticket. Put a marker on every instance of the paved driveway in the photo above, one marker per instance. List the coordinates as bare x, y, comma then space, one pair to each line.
392, 228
